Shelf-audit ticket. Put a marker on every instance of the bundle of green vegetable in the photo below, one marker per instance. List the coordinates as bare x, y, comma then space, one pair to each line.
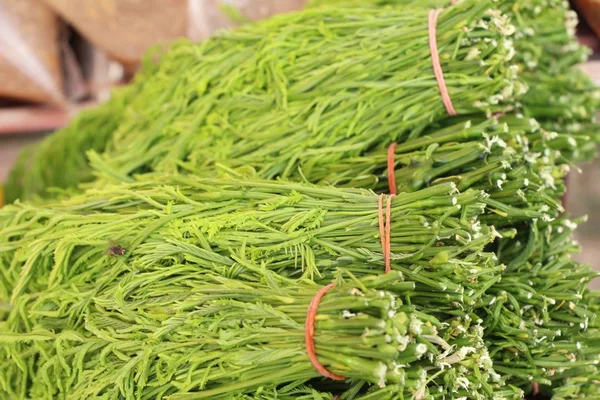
180, 333
209, 132
565, 97
302, 93
518, 164
537, 317
546, 50
567, 104
545, 29
238, 228
582, 382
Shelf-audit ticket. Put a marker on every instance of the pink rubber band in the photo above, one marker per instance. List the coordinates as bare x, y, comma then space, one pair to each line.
388, 234
435, 59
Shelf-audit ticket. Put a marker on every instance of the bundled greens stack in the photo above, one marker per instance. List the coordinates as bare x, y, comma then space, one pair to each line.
95, 323
541, 40
57, 259
312, 92
185, 270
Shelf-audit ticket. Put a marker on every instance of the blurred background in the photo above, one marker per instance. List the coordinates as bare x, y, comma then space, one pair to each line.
60, 56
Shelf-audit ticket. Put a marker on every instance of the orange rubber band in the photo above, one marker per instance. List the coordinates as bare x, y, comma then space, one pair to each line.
381, 221
385, 230
390, 168
435, 59
388, 234
309, 334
